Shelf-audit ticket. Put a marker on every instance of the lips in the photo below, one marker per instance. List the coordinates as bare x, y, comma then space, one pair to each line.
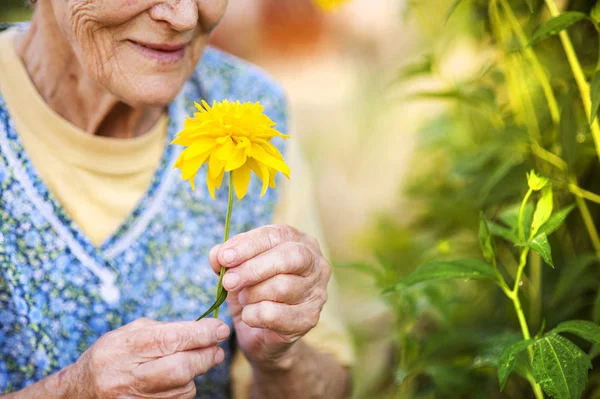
164, 53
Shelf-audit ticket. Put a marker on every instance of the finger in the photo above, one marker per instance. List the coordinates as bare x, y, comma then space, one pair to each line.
169, 338
290, 320
248, 245
213, 260
177, 370
287, 258
283, 288
140, 323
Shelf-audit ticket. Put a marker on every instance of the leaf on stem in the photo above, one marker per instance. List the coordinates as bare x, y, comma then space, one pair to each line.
541, 245
556, 220
557, 25
475, 269
595, 94
510, 217
560, 367
503, 232
222, 297
572, 281
543, 210
585, 329
486, 240
508, 359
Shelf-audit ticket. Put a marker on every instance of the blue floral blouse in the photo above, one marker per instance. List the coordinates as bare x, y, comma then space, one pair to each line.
59, 293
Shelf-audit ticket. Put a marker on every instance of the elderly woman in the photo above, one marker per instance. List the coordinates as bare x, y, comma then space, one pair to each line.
105, 254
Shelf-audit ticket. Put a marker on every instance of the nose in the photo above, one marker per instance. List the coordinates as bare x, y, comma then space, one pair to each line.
182, 15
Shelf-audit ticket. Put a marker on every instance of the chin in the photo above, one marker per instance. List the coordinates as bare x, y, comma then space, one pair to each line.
153, 92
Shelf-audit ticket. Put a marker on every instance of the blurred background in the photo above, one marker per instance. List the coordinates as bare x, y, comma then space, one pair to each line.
415, 115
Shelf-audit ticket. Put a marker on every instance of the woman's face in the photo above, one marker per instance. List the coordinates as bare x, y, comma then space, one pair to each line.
142, 51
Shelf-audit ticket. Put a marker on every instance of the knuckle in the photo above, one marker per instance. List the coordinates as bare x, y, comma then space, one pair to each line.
167, 342
267, 313
299, 255
275, 235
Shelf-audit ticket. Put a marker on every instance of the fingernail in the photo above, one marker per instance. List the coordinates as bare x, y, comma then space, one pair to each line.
219, 356
231, 280
222, 332
229, 256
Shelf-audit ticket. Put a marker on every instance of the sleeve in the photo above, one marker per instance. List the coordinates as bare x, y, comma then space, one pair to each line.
297, 207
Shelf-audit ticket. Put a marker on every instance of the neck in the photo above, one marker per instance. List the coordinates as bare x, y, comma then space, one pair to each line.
63, 84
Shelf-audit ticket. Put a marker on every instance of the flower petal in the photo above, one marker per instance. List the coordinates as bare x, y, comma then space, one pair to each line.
259, 154
214, 183
236, 160
215, 166
241, 180
190, 167
262, 172
225, 151
200, 146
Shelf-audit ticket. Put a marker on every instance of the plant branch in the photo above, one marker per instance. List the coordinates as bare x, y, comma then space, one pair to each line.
582, 84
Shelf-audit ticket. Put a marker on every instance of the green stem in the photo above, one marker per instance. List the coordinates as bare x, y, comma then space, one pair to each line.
514, 296
584, 87
586, 215
521, 212
225, 237
535, 290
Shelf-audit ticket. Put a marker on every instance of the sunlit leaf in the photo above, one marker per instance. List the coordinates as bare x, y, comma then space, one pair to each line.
452, 8
508, 358
475, 269
486, 240
420, 67
556, 220
543, 210
560, 367
595, 94
585, 329
541, 245
557, 24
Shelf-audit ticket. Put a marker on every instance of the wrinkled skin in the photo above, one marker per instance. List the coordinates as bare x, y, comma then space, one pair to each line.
277, 281
101, 32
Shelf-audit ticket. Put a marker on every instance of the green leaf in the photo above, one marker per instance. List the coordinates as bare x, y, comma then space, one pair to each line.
543, 210
442, 270
451, 9
585, 329
222, 297
555, 221
510, 217
595, 94
541, 245
556, 25
486, 240
503, 232
508, 358
560, 367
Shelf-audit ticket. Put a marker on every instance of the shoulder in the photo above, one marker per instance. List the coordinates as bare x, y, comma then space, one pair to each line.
221, 76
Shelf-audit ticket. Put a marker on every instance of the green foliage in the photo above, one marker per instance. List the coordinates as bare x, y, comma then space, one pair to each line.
557, 25
471, 297
560, 367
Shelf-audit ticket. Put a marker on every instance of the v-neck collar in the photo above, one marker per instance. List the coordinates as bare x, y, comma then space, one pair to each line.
96, 259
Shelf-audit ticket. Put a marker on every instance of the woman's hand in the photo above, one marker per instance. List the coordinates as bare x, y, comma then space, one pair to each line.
150, 359
277, 282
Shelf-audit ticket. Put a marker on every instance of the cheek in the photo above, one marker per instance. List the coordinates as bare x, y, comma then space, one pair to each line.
211, 12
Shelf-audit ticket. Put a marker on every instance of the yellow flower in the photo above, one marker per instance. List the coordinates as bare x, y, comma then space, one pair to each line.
329, 5
230, 137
